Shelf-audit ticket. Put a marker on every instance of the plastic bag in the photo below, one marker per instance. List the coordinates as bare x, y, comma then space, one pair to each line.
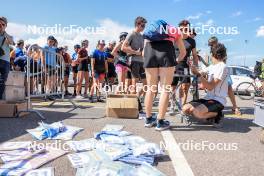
148, 149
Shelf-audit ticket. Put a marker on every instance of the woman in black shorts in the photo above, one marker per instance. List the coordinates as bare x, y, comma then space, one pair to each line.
83, 71
159, 62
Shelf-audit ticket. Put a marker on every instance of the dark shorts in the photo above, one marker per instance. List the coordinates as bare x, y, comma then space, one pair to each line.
180, 70
128, 76
159, 54
83, 67
75, 69
50, 70
34, 67
111, 71
137, 70
212, 105
67, 72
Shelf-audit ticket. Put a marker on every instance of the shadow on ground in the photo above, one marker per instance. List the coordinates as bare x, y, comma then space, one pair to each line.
14, 127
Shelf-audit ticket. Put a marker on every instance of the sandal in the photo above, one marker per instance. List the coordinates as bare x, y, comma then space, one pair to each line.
237, 111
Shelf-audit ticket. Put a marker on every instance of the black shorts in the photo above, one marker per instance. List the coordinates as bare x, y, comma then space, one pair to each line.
83, 67
50, 70
128, 76
180, 67
34, 67
75, 69
212, 105
159, 54
137, 70
111, 71
67, 72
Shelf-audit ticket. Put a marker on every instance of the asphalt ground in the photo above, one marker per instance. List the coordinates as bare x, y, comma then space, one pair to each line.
243, 153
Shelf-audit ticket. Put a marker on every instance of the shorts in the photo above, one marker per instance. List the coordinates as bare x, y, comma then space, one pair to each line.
99, 76
159, 54
180, 70
75, 69
212, 105
121, 68
67, 72
137, 70
34, 67
83, 66
129, 76
111, 71
50, 70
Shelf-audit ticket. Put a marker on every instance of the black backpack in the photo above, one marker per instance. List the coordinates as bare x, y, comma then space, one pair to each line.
257, 68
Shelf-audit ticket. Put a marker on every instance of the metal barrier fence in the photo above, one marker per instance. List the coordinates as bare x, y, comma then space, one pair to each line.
44, 76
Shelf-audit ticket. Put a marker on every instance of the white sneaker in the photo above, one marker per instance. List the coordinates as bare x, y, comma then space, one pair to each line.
78, 97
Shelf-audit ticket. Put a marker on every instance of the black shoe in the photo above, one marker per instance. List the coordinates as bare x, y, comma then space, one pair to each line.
91, 99
218, 122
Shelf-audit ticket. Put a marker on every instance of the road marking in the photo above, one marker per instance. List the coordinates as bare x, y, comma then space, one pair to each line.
180, 164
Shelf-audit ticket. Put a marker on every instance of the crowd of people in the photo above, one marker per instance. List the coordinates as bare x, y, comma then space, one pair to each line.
135, 58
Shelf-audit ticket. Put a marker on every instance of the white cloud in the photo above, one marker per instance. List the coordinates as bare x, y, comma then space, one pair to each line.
260, 31
257, 19
254, 20
209, 22
112, 30
236, 14
194, 17
227, 40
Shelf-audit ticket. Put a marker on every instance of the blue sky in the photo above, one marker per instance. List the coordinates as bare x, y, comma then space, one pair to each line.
247, 16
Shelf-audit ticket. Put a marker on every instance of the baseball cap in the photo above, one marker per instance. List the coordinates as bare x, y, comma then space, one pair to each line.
101, 42
113, 42
51, 38
20, 42
77, 46
3, 19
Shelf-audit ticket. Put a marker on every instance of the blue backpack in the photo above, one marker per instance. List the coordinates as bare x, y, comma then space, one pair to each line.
156, 31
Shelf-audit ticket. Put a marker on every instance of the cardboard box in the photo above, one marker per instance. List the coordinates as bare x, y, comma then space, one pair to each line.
15, 78
12, 109
122, 106
14, 93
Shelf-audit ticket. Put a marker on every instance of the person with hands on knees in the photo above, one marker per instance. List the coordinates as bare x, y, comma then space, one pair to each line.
211, 106
99, 66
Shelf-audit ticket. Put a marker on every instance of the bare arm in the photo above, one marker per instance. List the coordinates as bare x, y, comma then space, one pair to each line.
127, 49
106, 66
182, 49
115, 50
208, 85
195, 57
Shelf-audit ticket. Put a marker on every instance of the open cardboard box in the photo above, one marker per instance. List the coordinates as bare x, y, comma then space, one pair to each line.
9, 109
122, 106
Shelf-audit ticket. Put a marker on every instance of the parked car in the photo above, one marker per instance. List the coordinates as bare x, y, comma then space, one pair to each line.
239, 74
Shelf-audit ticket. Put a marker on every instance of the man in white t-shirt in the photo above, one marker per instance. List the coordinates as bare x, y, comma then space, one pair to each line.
213, 103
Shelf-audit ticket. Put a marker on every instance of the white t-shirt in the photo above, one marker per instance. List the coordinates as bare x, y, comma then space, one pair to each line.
220, 92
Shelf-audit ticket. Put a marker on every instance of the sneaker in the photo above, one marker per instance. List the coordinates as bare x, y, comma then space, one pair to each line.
150, 122
85, 96
79, 97
219, 121
99, 99
91, 99
162, 125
